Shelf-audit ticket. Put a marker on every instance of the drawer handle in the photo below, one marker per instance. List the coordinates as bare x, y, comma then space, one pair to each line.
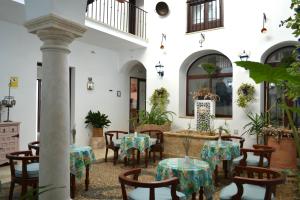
15, 135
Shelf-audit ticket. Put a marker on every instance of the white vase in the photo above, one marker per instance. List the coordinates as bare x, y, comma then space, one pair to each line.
187, 159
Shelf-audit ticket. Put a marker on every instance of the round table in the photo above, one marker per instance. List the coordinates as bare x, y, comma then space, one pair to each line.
141, 142
193, 175
214, 152
80, 158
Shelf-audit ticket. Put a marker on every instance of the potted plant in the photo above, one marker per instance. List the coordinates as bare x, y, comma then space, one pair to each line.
155, 119
97, 121
160, 98
255, 126
205, 94
245, 95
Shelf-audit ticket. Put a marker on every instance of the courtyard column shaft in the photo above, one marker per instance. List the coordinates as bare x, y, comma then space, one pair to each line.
56, 34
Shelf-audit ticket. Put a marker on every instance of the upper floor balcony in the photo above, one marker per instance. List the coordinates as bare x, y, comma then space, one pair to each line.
124, 20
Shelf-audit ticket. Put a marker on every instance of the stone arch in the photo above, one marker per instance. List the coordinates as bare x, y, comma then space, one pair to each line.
279, 45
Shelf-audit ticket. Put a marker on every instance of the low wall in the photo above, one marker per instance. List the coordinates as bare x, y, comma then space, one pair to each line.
173, 143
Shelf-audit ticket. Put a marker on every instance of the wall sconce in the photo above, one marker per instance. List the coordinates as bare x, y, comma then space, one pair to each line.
90, 84
160, 69
244, 55
202, 39
163, 38
263, 30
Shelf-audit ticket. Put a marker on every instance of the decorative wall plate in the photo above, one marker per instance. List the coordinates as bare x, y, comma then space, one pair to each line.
162, 8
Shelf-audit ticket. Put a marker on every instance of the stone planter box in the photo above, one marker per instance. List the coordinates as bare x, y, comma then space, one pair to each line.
163, 128
173, 144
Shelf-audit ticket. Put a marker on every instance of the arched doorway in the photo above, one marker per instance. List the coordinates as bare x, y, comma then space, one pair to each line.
137, 91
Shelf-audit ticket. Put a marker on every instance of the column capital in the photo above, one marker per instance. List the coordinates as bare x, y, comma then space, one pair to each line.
55, 23
56, 32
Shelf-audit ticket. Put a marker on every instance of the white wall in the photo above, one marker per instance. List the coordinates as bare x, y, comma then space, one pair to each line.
241, 31
19, 54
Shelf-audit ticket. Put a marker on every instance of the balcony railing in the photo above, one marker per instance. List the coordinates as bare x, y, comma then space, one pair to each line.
125, 16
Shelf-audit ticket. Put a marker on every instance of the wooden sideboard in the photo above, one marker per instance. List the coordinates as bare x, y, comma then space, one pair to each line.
9, 139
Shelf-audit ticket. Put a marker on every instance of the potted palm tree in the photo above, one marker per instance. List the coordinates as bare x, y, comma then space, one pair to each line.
97, 121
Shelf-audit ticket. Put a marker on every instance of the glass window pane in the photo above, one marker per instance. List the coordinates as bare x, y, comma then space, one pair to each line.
220, 85
223, 65
198, 13
223, 88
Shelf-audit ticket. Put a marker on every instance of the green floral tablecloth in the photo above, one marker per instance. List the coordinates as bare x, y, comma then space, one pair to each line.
140, 142
192, 175
214, 152
79, 158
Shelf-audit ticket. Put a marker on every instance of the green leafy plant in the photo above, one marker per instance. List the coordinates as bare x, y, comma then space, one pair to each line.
245, 95
210, 69
160, 98
97, 120
155, 116
256, 124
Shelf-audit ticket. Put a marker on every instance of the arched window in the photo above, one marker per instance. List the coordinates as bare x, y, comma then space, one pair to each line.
273, 94
219, 82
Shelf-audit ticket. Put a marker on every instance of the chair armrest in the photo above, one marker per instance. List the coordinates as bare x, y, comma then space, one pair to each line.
258, 152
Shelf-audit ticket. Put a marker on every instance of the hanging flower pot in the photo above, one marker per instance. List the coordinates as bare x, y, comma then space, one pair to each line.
121, 1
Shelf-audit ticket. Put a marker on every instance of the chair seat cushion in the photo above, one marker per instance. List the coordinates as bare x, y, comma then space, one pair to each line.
251, 192
162, 193
32, 170
153, 141
252, 160
117, 142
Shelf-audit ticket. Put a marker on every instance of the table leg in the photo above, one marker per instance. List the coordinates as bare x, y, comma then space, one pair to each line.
87, 177
73, 186
146, 158
194, 196
132, 159
216, 175
138, 156
225, 168
201, 193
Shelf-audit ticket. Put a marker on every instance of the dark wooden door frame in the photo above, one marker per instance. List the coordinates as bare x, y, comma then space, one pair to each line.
138, 95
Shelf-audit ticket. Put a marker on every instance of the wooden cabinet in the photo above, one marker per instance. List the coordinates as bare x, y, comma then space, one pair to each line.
9, 139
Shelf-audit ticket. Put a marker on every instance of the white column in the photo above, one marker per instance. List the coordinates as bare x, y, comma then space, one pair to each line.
56, 34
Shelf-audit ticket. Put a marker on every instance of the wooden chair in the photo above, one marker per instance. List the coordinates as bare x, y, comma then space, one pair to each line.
157, 140
259, 156
259, 183
165, 189
34, 146
110, 141
232, 138
26, 174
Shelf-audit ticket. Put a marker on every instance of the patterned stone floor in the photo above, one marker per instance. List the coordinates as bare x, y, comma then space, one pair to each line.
104, 184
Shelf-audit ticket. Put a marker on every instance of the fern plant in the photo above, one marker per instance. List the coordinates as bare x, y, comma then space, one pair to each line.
97, 120
155, 116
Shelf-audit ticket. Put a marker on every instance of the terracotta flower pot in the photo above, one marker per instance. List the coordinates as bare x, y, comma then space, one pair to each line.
97, 132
